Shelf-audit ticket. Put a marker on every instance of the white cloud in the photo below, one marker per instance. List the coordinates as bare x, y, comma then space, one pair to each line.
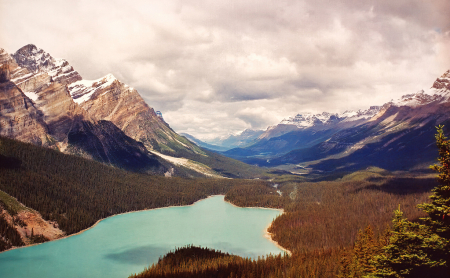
217, 67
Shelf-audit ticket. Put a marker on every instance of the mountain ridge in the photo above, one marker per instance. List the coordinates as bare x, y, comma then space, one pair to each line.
378, 132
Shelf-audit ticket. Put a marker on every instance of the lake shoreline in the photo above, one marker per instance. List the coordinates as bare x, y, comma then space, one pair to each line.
98, 221
267, 235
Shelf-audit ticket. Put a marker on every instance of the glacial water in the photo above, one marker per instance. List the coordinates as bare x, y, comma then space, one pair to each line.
125, 244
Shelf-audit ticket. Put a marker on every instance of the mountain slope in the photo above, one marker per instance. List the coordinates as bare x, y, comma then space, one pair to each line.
397, 135
109, 99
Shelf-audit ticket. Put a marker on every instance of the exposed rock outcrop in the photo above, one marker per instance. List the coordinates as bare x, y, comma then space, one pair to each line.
19, 118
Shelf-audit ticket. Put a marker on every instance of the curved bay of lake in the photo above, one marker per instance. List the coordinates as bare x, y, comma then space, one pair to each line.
125, 244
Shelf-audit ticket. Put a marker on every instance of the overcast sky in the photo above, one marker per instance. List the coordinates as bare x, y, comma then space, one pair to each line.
221, 66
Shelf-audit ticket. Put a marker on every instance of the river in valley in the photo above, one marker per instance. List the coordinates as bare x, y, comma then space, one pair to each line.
125, 244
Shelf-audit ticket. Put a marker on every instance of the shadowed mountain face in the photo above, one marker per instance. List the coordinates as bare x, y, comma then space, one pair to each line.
106, 143
397, 136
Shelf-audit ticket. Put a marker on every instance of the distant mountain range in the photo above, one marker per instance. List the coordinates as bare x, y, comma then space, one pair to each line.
398, 135
44, 101
245, 138
202, 144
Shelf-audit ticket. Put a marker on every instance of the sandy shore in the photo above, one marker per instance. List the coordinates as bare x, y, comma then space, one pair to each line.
266, 232
269, 237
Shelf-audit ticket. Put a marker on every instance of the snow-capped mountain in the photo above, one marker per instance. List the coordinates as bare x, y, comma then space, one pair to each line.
83, 90
305, 120
439, 92
324, 120
400, 130
37, 62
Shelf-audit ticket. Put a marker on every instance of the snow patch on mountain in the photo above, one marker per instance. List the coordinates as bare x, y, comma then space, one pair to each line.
83, 90
306, 120
32, 95
417, 99
360, 114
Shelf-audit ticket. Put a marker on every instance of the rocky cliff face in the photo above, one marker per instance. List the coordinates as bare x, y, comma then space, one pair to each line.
37, 61
442, 84
19, 118
42, 79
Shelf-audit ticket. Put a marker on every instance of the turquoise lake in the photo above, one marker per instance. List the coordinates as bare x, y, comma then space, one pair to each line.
125, 244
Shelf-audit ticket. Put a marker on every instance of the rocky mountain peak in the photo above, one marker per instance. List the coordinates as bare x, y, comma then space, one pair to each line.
307, 119
442, 82
34, 59
37, 61
414, 100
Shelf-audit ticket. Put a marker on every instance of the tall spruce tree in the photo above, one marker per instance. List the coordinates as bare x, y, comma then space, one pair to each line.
439, 209
357, 262
408, 253
422, 250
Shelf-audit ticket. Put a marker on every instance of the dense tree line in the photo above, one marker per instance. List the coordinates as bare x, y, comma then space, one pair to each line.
202, 262
257, 195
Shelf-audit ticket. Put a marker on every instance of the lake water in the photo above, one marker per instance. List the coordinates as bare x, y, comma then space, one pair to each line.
125, 244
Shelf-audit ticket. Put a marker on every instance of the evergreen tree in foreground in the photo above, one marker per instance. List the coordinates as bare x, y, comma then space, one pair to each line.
422, 250
410, 252
439, 209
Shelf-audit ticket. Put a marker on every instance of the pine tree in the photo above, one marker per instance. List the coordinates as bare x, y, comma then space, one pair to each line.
357, 262
365, 249
439, 209
410, 251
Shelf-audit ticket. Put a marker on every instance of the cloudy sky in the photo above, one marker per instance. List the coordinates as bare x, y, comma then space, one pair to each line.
221, 66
